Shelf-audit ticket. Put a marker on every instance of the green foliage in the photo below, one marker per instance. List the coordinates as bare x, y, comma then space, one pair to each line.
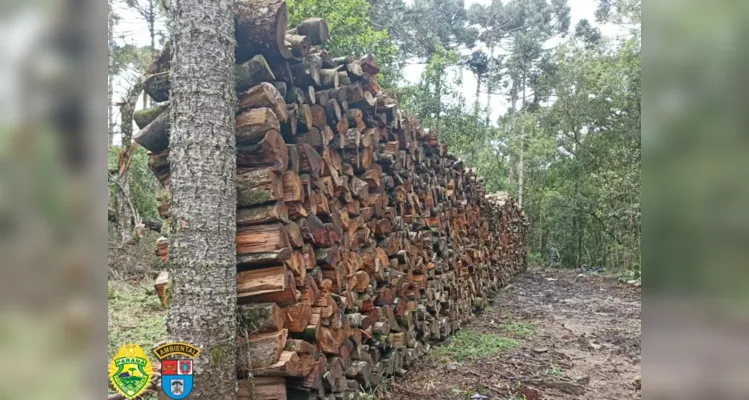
143, 185
426, 100
351, 31
129, 56
466, 346
437, 24
581, 122
519, 329
619, 11
135, 315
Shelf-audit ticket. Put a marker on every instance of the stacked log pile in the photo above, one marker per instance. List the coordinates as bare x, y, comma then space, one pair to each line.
360, 240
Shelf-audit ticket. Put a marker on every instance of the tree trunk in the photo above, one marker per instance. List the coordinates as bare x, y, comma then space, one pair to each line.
202, 155
521, 165
489, 85
439, 98
478, 92
151, 20
110, 86
513, 109
476, 113
576, 219
124, 209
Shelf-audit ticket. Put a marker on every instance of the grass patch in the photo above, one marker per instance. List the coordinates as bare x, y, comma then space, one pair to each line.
466, 345
553, 370
519, 329
135, 316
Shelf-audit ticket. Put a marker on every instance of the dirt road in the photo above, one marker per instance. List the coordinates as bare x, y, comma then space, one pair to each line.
553, 334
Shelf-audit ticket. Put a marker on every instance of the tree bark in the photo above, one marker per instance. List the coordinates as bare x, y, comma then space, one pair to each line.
202, 153
521, 165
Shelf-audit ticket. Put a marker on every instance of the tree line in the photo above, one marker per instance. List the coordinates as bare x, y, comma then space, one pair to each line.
566, 142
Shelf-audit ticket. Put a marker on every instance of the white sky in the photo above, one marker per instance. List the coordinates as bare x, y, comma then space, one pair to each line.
132, 29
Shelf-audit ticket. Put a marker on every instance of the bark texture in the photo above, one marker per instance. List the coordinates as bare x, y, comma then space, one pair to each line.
202, 157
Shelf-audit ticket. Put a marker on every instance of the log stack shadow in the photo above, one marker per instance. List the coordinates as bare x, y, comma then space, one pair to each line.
360, 239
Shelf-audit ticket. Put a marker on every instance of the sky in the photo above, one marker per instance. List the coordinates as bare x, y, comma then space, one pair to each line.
132, 29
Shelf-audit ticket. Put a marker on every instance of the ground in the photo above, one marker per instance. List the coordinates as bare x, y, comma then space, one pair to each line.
135, 313
551, 334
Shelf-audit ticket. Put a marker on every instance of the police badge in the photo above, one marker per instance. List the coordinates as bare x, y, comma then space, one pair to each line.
176, 373
130, 370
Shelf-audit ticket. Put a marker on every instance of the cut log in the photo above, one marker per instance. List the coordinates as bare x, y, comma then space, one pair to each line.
343, 78
306, 73
283, 73
295, 95
297, 317
295, 235
263, 243
259, 350
288, 365
263, 95
261, 281
282, 88
313, 137
145, 117
292, 187
315, 28
263, 214
155, 136
304, 118
252, 72
273, 284
309, 160
157, 86
298, 44
260, 28
260, 318
270, 151
329, 78
262, 388
296, 264
258, 186
253, 124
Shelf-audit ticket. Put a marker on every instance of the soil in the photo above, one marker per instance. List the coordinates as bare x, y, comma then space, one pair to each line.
585, 345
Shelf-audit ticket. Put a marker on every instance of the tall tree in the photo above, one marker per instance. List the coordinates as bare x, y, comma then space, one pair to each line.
543, 20
438, 23
478, 64
496, 21
437, 30
150, 11
202, 158
125, 212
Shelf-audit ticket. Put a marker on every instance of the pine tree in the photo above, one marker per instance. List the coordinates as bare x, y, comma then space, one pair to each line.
202, 253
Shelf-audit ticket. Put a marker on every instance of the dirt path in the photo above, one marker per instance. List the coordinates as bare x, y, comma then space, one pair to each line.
564, 337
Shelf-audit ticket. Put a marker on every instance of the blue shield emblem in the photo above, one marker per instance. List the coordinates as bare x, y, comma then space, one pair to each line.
176, 386
176, 378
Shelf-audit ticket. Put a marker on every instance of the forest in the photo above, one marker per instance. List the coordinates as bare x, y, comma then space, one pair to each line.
552, 114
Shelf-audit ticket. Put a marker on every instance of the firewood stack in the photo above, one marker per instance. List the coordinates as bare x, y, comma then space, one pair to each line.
359, 238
